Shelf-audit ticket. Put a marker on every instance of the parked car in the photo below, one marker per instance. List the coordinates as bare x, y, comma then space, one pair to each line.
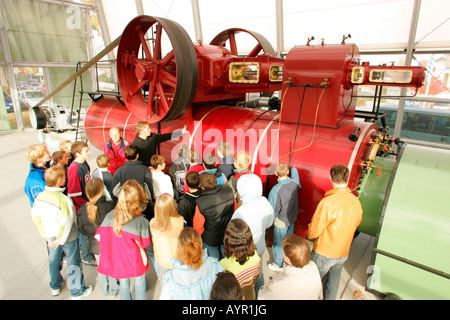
8, 102
35, 86
29, 98
22, 85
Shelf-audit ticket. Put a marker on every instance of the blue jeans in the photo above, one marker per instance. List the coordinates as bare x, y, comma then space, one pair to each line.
277, 247
86, 253
140, 288
331, 268
74, 268
216, 251
108, 285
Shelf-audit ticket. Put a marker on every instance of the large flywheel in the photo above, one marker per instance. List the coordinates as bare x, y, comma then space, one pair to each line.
228, 36
157, 69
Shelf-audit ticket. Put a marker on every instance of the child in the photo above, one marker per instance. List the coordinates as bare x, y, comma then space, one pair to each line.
195, 166
61, 158
134, 169
300, 279
193, 273
165, 228
161, 181
39, 157
284, 199
226, 287
66, 146
78, 175
115, 149
226, 159
103, 173
123, 236
241, 257
54, 215
186, 204
209, 163
178, 170
215, 206
90, 216
242, 166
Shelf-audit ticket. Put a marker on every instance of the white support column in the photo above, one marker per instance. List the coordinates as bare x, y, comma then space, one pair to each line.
197, 21
10, 74
139, 7
409, 53
280, 28
106, 36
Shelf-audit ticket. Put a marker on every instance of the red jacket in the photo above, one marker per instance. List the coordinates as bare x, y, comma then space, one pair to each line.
116, 154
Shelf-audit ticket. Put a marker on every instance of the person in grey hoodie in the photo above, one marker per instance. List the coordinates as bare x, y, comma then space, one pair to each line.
256, 211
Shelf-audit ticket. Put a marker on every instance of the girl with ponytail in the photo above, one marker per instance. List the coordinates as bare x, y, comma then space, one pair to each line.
89, 217
193, 273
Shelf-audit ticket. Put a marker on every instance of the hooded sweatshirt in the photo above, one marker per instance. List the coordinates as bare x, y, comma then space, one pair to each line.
255, 210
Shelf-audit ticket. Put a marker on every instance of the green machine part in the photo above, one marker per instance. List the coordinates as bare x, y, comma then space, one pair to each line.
411, 255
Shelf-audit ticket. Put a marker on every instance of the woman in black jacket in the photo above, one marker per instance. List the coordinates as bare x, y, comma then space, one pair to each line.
89, 217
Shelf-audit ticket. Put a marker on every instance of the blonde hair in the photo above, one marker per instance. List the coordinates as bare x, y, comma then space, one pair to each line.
94, 190
139, 126
129, 204
190, 248
282, 169
36, 152
103, 161
165, 208
53, 175
242, 159
65, 145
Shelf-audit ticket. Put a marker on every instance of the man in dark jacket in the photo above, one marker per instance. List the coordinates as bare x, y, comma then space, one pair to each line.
147, 141
134, 169
214, 209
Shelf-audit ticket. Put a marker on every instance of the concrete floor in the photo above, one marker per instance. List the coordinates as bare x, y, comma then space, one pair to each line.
24, 264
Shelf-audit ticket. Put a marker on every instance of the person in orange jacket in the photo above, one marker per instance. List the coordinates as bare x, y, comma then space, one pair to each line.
333, 226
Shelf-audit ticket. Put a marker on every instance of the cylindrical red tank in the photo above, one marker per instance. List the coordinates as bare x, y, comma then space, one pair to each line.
258, 132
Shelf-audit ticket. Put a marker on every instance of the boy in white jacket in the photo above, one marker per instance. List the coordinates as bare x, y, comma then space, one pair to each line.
54, 215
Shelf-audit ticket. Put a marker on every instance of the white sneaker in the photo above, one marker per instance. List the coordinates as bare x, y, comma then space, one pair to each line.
272, 266
56, 292
86, 293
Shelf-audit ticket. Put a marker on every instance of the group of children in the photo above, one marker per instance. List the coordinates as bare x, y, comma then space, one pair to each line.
197, 225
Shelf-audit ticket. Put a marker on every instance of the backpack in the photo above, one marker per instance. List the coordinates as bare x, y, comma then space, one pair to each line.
180, 176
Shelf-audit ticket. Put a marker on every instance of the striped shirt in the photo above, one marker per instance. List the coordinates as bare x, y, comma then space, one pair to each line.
244, 273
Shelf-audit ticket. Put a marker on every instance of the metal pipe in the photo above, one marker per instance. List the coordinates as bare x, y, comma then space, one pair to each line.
409, 53
197, 21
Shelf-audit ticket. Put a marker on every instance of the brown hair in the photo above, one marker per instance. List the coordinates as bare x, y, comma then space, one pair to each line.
209, 161
208, 181
53, 175
157, 160
94, 190
131, 152
224, 147
339, 174
238, 241
297, 250
190, 248
226, 287
192, 179
165, 208
103, 161
77, 146
129, 204
58, 155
